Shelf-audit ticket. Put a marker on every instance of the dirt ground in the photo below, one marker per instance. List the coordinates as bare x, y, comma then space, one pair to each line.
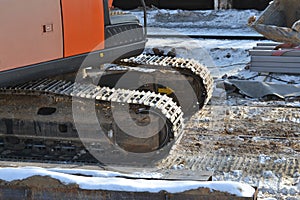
254, 143
258, 144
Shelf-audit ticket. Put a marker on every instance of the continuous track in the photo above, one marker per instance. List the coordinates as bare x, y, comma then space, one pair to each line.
48, 132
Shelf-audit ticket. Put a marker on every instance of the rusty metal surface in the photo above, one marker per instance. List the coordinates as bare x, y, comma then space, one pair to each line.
279, 21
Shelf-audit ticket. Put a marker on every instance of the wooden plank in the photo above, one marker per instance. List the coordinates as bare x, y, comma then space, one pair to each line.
276, 64
271, 52
281, 59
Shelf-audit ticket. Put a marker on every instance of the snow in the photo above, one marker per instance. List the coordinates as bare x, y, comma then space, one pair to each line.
280, 160
178, 167
263, 158
202, 22
268, 174
97, 173
106, 180
220, 56
237, 173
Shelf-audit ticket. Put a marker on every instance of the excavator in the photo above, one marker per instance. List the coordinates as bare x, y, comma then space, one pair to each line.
279, 22
76, 85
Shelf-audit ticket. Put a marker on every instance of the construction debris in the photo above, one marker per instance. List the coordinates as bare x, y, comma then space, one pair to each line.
263, 90
265, 58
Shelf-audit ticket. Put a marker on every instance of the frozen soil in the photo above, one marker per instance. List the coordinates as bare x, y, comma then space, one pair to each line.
258, 145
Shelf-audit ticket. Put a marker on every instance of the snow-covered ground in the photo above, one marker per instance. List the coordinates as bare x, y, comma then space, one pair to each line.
204, 22
113, 181
220, 56
224, 57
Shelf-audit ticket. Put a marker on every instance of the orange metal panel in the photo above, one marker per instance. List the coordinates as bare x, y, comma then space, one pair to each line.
31, 32
83, 22
110, 2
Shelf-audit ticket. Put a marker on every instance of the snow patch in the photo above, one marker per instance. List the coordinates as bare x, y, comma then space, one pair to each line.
268, 174
280, 160
263, 158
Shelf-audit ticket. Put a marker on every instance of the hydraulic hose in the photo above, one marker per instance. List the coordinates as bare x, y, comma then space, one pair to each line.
145, 16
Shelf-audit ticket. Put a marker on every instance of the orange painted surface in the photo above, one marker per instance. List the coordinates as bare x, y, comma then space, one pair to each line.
23, 37
83, 25
110, 2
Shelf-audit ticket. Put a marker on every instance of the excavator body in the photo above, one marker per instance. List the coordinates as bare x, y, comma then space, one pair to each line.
41, 39
61, 64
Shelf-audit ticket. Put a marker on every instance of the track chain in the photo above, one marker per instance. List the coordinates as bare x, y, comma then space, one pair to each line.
160, 102
89, 91
177, 63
